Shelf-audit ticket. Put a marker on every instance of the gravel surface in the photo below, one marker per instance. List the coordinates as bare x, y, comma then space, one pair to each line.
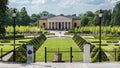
60, 65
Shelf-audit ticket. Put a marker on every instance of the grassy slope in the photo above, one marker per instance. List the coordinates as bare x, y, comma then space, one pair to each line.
6, 49
63, 44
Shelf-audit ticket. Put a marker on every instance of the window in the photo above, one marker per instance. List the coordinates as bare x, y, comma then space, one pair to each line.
44, 25
75, 25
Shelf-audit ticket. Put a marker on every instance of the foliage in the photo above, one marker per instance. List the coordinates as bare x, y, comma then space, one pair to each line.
11, 37
94, 55
21, 55
3, 8
115, 30
116, 15
24, 29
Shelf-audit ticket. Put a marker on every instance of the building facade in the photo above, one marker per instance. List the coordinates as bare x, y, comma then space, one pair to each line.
59, 22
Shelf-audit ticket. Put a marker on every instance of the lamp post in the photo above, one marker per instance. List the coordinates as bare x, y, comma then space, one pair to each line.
100, 18
14, 17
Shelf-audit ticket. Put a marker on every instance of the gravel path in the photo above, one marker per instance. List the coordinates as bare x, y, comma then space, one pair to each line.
60, 65
6, 57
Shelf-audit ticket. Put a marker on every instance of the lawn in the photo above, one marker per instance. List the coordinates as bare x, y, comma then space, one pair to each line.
6, 49
109, 48
63, 44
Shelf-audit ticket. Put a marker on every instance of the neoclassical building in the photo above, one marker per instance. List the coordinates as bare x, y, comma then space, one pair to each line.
59, 22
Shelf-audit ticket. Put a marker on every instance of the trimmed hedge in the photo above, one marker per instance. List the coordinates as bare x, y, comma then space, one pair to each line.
112, 41
21, 55
95, 41
11, 37
94, 50
5, 41
81, 42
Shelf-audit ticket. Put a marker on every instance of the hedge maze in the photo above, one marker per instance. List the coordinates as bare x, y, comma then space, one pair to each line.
94, 50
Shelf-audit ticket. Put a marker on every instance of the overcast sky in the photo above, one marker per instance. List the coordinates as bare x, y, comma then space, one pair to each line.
62, 6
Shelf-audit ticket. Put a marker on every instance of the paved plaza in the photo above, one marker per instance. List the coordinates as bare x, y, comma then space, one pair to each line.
60, 65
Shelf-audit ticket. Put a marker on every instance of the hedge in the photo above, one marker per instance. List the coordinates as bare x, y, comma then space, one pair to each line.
11, 37
112, 41
21, 55
94, 50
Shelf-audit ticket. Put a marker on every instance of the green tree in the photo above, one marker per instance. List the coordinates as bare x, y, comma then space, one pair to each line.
116, 15
34, 17
3, 8
84, 21
87, 18
106, 18
24, 17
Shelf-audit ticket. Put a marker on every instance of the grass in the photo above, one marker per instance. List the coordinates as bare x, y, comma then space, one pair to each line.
109, 49
61, 44
6, 49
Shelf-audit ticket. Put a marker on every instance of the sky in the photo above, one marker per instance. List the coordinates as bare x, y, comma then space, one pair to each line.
62, 6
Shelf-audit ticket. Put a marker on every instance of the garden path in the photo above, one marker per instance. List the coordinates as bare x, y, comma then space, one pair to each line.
6, 57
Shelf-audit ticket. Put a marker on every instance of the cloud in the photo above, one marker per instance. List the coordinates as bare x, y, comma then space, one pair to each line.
38, 1
19, 1
113, 1
67, 3
62, 6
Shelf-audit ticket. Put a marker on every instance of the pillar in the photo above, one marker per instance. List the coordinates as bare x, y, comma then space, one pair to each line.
64, 25
48, 25
86, 53
67, 25
71, 25
51, 25
57, 25
54, 25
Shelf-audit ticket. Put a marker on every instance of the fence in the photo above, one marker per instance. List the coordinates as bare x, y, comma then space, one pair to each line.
68, 55
112, 55
8, 56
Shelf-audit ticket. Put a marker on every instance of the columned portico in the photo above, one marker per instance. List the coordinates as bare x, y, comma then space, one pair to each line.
60, 25
59, 22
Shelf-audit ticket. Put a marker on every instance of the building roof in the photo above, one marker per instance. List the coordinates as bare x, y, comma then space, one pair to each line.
71, 17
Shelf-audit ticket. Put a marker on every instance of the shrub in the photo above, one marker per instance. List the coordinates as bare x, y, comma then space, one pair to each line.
94, 41
94, 50
21, 55
112, 41
11, 37
5, 41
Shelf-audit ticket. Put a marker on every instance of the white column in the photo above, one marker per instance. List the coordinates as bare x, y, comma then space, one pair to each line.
71, 25
67, 25
48, 25
51, 25
57, 25
64, 25
86, 53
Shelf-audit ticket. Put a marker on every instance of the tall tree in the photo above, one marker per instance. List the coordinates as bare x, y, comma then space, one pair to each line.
87, 18
34, 17
116, 15
3, 8
106, 17
24, 17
